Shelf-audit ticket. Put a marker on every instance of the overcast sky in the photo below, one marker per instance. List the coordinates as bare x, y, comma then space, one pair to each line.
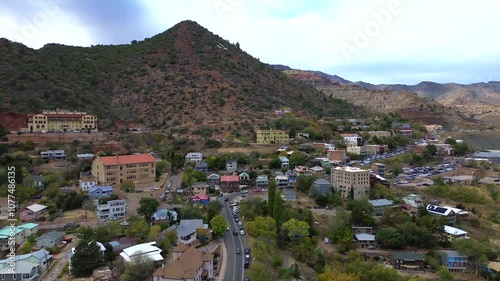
376, 41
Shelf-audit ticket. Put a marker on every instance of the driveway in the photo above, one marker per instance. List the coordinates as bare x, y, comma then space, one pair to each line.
60, 261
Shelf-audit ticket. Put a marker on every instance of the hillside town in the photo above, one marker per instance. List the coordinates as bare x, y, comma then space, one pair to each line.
386, 195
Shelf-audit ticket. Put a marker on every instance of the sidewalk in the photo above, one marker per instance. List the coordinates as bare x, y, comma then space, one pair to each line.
223, 266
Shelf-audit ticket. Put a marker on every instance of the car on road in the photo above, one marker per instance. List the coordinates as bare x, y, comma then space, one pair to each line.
154, 188
226, 199
246, 279
241, 227
242, 232
247, 257
247, 251
247, 264
238, 251
240, 223
125, 223
71, 225
169, 186
236, 219
235, 215
227, 227
220, 195
235, 232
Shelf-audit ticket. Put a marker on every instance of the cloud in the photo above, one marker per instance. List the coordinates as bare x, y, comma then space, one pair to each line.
393, 41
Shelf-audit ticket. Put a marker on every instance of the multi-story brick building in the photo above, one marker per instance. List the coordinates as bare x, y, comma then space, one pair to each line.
351, 182
112, 170
60, 121
272, 137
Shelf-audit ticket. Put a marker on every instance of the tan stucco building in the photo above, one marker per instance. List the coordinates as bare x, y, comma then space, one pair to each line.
351, 182
60, 121
272, 137
112, 170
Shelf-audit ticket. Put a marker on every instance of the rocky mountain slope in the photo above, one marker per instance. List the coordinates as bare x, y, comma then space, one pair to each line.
185, 77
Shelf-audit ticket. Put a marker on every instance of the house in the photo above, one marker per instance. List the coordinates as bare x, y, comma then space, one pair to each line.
122, 243
98, 192
356, 150
213, 180
352, 139
281, 181
163, 215
379, 134
362, 229
29, 228
186, 230
201, 166
285, 148
378, 169
27, 267
492, 268
408, 261
231, 166
6, 235
34, 181
115, 209
262, 182
306, 147
53, 154
189, 264
454, 261
148, 250
403, 129
72, 253
351, 182
50, 239
492, 155
374, 149
113, 170
85, 156
317, 170
285, 163
245, 178
302, 171
200, 188
292, 178
413, 200
201, 199
33, 212
337, 157
6, 208
289, 195
365, 240
272, 137
194, 157
379, 206
302, 136
451, 213
86, 183
229, 183
453, 233
322, 187
60, 120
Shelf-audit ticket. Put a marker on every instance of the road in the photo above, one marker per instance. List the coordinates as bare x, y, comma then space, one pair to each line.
234, 269
60, 262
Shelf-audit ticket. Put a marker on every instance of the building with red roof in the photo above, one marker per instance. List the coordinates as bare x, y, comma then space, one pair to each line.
60, 121
229, 183
113, 170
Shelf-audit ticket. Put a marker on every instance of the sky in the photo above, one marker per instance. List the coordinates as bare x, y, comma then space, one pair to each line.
376, 41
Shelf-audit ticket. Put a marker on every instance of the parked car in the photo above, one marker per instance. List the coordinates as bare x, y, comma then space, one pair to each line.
125, 223
235, 232
242, 232
238, 251
247, 251
247, 264
226, 199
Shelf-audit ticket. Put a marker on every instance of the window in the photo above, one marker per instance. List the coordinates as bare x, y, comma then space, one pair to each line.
14, 276
3, 276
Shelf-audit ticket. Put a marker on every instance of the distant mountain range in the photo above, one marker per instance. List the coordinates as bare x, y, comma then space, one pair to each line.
478, 100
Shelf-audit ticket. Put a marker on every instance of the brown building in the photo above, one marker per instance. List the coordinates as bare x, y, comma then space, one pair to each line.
113, 170
200, 188
188, 264
351, 182
228, 183
337, 157
408, 261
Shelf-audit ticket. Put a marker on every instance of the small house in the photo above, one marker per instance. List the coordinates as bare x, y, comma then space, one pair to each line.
365, 241
201, 166
231, 166
98, 191
33, 212
379, 206
244, 178
262, 182
408, 261
454, 261
213, 180
50, 239
290, 195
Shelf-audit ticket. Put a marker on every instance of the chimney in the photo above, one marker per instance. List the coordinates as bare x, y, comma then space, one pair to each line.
117, 159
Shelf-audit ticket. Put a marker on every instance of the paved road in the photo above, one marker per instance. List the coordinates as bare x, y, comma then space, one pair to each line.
234, 269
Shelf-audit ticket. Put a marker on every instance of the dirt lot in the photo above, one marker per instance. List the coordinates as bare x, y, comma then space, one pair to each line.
265, 149
479, 140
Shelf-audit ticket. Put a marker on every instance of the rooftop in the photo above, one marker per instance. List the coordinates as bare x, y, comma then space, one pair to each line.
186, 266
127, 159
102, 188
53, 235
364, 237
147, 249
36, 207
381, 202
229, 178
407, 256
454, 231
350, 169
29, 225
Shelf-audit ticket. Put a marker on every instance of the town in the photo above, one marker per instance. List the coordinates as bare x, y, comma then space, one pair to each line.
384, 197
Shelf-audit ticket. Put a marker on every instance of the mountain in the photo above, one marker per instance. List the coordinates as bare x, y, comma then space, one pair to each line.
183, 79
382, 99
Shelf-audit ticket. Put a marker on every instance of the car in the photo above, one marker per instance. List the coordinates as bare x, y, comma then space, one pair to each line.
236, 219
247, 251
238, 251
247, 264
240, 223
70, 225
241, 227
125, 223
235, 215
169, 186
242, 232
235, 233
154, 188
247, 257
227, 227
220, 195
246, 279
226, 199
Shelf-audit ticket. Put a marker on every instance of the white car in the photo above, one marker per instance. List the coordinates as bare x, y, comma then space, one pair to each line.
240, 223
242, 232
125, 223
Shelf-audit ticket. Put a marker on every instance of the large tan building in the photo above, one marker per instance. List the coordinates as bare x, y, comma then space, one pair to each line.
112, 170
60, 121
351, 182
272, 137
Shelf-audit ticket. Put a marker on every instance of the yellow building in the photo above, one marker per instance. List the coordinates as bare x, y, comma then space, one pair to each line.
272, 137
112, 170
60, 121
351, 182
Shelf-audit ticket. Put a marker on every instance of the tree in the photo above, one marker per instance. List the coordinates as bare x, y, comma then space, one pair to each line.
154, 232
444, 274
127, 186
271, 196
335, 275
275, 163
218, 225
430, 150
147, 207
140, 267
139, 229
88, 256
304, 183
258, 272
264, 227
297, 159
390, 238
474, 250
278, 208
296, 229
203, 235
27, 248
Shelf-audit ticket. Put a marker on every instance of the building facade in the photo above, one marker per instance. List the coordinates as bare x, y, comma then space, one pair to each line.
351, 182
272, 137
60, 121
113, 209
113, 170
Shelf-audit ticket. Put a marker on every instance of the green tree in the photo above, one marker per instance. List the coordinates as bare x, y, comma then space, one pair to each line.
297, 159
88, 256
140, 267
271, 197
258, 272
275, 163
390, 238
335, 275
296, 229
304, 183
139, 229
264, 227
27, 248
147, 207
218, 225
278, 209
474, 250
127, 186
154, 233
444, 274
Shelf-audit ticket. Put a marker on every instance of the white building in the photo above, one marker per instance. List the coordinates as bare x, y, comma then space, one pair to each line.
146, 250
112, 209
194, 157
87, 183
